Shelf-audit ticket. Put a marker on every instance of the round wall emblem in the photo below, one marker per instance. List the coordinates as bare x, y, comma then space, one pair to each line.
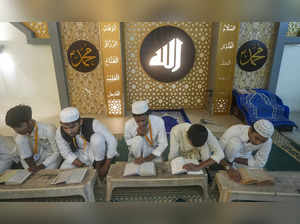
252, 55
167, 54
83, 56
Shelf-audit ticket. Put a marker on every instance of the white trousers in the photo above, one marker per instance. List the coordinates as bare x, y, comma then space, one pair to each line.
140, 148
95, 151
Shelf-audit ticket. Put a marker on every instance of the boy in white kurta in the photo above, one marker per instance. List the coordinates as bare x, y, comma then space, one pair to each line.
35, 141
195, 142
85, 142
145, 135
8, 153
241, 141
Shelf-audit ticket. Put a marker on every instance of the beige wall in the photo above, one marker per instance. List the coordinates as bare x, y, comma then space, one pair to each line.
27, 76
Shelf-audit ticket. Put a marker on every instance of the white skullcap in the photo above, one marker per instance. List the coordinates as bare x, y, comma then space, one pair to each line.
264, 127
140, 107
69, 114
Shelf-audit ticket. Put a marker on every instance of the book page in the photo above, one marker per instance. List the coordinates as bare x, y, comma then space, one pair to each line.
147, 169
177, 166
254, 176
131, 169
7, 175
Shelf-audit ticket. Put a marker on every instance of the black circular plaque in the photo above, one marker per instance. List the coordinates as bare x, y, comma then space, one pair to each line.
167, 54
252, 55
83, 56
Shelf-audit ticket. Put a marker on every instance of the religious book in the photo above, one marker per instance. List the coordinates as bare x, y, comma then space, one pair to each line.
73, 176
14, 177
255, 176
144, 169
178, 163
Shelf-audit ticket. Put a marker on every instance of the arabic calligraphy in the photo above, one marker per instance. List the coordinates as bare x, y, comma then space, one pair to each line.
252, 55
113, 77
114, 94
226, 63
83, 56
228, 45
111, 60
171, 49
229, 27
110, 43
110, 28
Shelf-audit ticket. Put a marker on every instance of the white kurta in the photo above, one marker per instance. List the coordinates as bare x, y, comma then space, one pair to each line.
8, 152
102, 145
180, 145
138, 146
235, 143
48, 154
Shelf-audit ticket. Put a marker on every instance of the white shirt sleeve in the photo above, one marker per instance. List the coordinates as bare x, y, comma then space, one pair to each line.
174, 144
109, 138
130, 133
261, 157
53, 157
64, 148
23, 146
214, 146
161, 139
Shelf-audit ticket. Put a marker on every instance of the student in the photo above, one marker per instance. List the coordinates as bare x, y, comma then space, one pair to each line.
248, 146
85, 142
8, 154
145, 135
35, 141
194, 141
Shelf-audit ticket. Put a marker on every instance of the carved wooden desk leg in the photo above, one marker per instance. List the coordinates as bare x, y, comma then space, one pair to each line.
109, 190
205, 191
89, 191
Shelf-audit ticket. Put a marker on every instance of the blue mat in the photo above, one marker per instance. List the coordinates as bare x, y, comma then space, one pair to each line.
262, 104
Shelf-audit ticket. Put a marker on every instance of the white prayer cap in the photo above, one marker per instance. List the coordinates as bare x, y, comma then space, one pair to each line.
264, 127
69, 114
140, 107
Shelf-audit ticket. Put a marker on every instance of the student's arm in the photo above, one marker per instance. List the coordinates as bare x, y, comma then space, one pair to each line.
65, 150
54, 156
261, 157
162, 142
174, 144
25, 152
109, 139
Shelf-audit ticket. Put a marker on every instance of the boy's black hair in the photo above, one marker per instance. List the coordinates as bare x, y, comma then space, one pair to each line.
17, 115
197, 134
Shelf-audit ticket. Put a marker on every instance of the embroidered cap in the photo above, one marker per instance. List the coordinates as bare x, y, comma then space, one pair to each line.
69, 114
140, 107
264, 127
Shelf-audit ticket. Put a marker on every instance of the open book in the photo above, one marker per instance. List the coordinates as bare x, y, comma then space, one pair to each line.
73, 176
144, 169
255, 176
14, 177
178, 163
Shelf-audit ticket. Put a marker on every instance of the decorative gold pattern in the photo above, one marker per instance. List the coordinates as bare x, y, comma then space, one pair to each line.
293, 29
112, 71
40, 29
189, 92
262, 31
86, 90
225, 64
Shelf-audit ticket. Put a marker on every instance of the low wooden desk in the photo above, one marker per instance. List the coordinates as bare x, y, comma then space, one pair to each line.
38, 186
286, 187
164, 178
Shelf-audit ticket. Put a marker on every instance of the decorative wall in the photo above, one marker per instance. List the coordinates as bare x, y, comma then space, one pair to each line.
189, 92
293, 29
40, 29
86, 90
265, 32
